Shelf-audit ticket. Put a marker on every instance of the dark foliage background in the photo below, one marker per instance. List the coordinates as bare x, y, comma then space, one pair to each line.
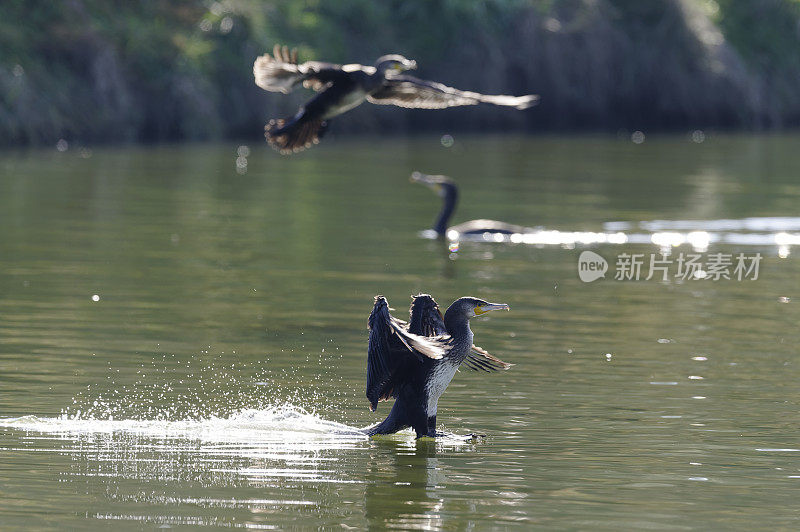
157, 70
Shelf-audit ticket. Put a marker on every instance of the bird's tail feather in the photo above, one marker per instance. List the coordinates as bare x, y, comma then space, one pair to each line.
292, 136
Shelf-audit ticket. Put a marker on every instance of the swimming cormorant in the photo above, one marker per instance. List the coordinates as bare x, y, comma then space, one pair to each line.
448, 191
343, 87
414, 362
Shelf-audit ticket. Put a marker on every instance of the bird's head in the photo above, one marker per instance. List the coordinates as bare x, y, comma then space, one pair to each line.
440, 184
469, 307
394, 63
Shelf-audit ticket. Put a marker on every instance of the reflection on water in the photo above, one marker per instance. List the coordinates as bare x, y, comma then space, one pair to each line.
278, 448
698, 234
750, 225
182, 344
401, 490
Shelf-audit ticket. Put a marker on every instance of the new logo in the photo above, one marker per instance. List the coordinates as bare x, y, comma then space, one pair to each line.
591, 266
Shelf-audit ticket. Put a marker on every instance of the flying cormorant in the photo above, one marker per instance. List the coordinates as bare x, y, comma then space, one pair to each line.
343, 87
448, 191
414, 362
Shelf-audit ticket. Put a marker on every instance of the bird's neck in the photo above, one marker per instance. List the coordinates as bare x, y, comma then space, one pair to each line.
458, 328
449, 200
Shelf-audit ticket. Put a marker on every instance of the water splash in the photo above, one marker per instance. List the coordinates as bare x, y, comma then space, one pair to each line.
280, 444
285, 424
204, 386
207, 420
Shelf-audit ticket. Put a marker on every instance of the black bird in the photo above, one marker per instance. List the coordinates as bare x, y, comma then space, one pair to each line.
448, 191
414, 362
343, 87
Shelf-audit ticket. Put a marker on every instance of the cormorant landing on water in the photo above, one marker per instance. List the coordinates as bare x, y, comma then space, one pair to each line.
414, 362
448, 191
343, 87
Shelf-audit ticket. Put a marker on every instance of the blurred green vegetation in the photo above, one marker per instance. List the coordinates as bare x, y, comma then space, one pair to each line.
158, 70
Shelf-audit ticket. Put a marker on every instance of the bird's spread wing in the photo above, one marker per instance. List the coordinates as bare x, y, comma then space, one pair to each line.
294, 136
391, 347
426, 318
479, 360
280, 72
408, 91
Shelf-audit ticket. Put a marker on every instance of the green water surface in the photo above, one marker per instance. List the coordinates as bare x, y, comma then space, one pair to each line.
224, 295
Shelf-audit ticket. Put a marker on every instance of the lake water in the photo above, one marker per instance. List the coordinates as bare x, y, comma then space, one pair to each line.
184, 344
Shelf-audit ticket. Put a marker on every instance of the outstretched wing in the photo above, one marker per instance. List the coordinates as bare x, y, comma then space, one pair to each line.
280, 72
292, 136
426, 318
391, 348
479, 360
408, 91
